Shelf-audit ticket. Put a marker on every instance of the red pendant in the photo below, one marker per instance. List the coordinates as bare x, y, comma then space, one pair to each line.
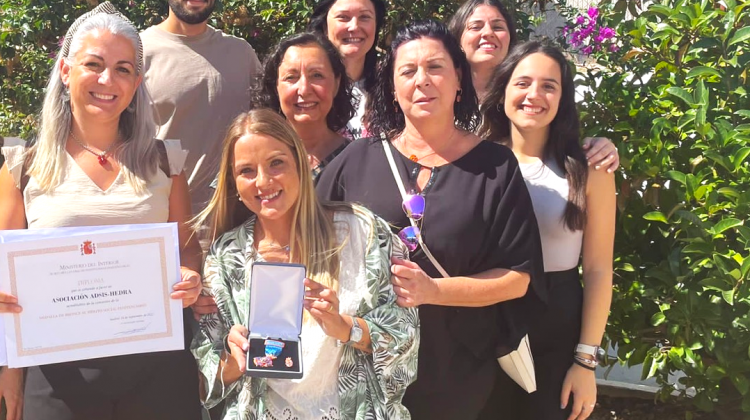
414, 158
102, 159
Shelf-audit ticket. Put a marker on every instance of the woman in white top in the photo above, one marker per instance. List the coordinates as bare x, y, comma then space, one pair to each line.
353, 26
530, 107
95, 163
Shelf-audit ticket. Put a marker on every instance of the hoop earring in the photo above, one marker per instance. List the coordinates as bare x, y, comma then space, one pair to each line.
499, 104
395, 105
458, 95
66, 94
131, 107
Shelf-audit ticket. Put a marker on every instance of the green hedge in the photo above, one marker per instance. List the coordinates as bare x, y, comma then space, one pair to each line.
675, 99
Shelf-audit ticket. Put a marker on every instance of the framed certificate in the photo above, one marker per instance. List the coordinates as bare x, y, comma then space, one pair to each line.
90, 292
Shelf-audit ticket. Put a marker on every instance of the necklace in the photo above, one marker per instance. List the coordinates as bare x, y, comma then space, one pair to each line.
101, 157
414, 158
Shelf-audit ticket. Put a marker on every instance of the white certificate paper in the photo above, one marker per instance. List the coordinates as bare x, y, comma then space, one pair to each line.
90, 292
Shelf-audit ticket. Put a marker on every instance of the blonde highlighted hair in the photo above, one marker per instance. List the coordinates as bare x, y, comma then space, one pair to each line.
313, 235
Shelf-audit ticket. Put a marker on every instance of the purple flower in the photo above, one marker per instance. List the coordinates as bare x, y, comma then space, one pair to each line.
599, 38
614, 48
587, 50
565, 30
586, 32
607, 32
593, 12
580, 20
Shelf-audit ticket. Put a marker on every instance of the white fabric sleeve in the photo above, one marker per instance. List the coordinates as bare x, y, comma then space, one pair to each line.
176, 156
14, 157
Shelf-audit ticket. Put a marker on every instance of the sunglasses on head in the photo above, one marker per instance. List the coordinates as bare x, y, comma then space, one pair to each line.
413, 206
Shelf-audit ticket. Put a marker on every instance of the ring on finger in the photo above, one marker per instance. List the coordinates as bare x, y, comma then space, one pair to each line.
330, 308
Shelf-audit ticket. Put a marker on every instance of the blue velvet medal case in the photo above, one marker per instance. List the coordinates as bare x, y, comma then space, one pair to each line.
277, 291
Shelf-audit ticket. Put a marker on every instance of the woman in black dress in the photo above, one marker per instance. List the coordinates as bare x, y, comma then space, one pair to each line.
478, 221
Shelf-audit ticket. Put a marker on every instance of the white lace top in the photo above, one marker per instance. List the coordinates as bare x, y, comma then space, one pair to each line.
315, 396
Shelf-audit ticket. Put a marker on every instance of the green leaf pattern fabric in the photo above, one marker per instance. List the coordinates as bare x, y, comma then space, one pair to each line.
370, 386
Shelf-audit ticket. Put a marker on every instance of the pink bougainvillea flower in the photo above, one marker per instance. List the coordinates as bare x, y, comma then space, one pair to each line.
607, 32
593, 12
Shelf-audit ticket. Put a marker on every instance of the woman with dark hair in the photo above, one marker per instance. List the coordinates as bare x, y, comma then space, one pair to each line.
487, 31
464, 213
305, 80
531, 109
353, 26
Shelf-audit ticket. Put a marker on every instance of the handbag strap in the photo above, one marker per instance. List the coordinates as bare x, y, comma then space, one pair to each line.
402, 190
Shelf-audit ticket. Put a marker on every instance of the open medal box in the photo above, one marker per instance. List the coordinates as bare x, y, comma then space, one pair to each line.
275, 320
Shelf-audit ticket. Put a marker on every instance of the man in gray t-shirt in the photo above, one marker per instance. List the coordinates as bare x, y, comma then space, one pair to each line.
199, 79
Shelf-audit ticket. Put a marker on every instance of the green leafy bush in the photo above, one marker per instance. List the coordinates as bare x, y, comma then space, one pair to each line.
674, 98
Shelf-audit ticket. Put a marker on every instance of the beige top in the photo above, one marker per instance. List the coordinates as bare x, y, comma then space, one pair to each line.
78, 201
199, 85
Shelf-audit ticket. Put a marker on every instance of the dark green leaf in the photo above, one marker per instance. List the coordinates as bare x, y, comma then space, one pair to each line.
702, 71
741, 35
725, 224
682, 94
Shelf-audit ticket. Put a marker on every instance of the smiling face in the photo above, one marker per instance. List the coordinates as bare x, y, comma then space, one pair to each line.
532, 96
485, 39
306, 85
351, 27
192, 11
425, 79
101, 78
266, 177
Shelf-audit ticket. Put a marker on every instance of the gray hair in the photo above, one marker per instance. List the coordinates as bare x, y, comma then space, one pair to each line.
137, 155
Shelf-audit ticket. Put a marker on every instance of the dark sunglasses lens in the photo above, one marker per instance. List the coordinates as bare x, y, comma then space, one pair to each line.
410, 237
414, 206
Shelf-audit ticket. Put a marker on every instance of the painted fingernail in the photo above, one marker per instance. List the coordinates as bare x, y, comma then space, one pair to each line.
597, 167
244, 346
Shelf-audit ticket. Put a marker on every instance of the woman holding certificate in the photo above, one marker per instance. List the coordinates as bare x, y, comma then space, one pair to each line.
359, 348
95, 163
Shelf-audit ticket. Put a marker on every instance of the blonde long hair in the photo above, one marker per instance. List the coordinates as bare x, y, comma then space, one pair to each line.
313, 233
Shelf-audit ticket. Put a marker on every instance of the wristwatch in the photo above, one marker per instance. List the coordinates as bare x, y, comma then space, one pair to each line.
355, 334
594, 351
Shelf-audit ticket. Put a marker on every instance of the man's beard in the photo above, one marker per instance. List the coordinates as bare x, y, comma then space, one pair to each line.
185, 15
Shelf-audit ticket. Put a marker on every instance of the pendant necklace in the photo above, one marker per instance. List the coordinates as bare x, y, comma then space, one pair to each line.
414, 158
101, 157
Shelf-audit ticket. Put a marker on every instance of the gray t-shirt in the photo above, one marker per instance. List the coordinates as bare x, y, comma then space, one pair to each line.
199, 85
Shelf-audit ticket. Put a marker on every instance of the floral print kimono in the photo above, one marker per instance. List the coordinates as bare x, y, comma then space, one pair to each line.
370, 386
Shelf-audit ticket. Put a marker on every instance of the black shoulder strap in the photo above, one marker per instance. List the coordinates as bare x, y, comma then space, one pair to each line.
28, 157
163, 158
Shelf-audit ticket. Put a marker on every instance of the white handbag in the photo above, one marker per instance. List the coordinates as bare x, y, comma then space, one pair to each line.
519, 363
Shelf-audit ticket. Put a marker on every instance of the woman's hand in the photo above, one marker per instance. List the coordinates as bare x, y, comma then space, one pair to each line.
323, 305
204, 305
11, 390
9, 304
601, 153
413, 287
238, 346
188, 288
581, 383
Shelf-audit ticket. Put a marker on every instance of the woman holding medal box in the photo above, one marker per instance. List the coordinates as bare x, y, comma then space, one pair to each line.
265, 209
95, 162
